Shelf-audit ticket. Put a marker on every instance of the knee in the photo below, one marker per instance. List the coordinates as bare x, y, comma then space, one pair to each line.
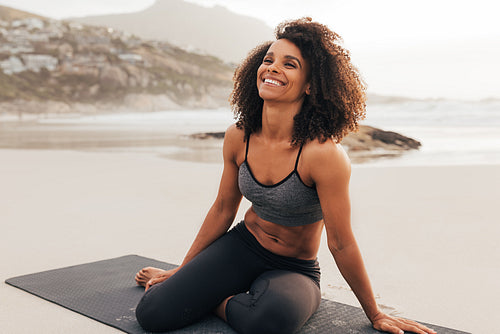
154, 317
146, 315
260, 319
272, 323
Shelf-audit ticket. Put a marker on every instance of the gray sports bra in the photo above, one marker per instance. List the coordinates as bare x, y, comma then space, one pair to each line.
289, 202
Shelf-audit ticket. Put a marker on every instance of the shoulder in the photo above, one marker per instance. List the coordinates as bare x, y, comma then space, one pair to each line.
326, 152
234, 133
233, 142
326, 160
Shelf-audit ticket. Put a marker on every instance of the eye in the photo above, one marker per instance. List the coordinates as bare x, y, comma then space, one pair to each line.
267, 61
292, 65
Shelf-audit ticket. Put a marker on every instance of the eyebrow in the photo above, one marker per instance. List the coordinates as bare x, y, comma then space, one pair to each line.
287, 57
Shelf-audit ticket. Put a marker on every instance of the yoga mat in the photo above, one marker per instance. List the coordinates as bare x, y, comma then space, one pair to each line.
105, 291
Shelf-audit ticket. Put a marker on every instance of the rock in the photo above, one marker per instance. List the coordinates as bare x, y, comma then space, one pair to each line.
393, 138
370, 138
366, 144
208, 135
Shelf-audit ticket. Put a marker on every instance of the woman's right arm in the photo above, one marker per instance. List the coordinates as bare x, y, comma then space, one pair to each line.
223, 211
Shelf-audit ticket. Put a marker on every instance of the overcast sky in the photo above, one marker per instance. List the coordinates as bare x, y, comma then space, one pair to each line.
397, 44
355, 19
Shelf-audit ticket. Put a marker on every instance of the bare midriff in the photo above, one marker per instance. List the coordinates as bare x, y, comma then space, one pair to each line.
301, 242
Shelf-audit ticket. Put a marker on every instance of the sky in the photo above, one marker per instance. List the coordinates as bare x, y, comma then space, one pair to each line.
422, 49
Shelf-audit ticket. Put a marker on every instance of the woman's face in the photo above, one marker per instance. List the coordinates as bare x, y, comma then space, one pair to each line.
283, 75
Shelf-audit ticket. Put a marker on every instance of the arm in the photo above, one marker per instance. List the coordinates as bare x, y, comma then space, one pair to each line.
331, 174
223, 210
221, 214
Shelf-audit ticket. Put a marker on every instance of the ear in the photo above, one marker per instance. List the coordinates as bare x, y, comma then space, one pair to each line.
308, 88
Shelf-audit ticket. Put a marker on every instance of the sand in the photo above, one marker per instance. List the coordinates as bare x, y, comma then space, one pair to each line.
428, 234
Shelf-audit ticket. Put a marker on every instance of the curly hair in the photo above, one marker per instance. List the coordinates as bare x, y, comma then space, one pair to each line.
337, 99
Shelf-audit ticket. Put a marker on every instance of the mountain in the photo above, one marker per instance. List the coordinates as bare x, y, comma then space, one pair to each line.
9, 14
216, 30
45, 60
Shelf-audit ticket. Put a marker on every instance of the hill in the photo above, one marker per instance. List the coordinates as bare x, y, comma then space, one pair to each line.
215, 30
9, 14
50, 60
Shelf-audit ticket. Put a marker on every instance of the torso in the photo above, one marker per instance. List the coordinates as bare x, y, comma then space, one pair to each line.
270, 164
301, 242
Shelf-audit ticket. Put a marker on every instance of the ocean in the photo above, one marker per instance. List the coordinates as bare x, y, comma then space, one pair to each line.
451, 132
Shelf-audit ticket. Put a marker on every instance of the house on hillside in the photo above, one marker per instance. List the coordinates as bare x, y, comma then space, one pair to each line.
14, 48
30, 23
39, 37
83, 64
12, 65
36, 62
132, 58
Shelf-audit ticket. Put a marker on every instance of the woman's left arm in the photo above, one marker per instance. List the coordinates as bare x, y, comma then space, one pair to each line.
331, 172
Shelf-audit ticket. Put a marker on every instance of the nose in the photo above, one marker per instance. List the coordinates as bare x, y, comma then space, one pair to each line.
272, 68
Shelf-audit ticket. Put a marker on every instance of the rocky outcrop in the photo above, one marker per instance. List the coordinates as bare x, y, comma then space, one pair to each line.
371, 143
370, 138
366, 144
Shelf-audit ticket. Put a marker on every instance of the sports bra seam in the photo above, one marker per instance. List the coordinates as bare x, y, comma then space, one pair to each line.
278, 183
268, 185
295, 170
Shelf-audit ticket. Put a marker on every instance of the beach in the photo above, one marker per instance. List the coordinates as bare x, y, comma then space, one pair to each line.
428, 234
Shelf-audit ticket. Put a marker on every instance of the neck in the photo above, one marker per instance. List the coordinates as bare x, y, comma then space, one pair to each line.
277, 120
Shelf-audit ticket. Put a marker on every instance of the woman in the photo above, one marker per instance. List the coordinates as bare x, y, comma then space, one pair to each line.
295, 98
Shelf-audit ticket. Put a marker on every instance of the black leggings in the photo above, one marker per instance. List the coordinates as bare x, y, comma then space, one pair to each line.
272, 293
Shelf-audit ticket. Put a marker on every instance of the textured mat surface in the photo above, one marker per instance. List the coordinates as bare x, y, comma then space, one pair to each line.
105, 291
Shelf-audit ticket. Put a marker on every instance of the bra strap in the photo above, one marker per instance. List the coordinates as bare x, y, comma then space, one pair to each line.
298, 156
248, 143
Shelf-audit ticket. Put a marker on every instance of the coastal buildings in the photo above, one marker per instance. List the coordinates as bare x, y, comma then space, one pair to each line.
12, 65
68, 62
32, 44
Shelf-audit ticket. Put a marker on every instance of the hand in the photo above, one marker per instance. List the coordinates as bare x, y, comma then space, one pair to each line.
160, 277
395, 325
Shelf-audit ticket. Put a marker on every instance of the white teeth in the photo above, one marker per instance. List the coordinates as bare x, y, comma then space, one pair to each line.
273, 82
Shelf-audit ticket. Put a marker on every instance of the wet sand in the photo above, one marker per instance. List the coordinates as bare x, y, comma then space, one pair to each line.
428, 234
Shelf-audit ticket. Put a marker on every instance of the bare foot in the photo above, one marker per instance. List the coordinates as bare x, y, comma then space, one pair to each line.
145, 274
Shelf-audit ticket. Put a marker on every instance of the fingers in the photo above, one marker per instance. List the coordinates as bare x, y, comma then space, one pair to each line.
144, 278
415, 327
389, 328
150, 283
153, 281
399, 326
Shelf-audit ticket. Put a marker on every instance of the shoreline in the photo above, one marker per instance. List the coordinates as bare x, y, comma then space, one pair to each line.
191, 142
61, 208
167, 133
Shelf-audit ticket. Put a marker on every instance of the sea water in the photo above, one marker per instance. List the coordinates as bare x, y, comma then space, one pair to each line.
451, 132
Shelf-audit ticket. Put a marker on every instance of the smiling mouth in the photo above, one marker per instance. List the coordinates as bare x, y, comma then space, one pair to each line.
273, 82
